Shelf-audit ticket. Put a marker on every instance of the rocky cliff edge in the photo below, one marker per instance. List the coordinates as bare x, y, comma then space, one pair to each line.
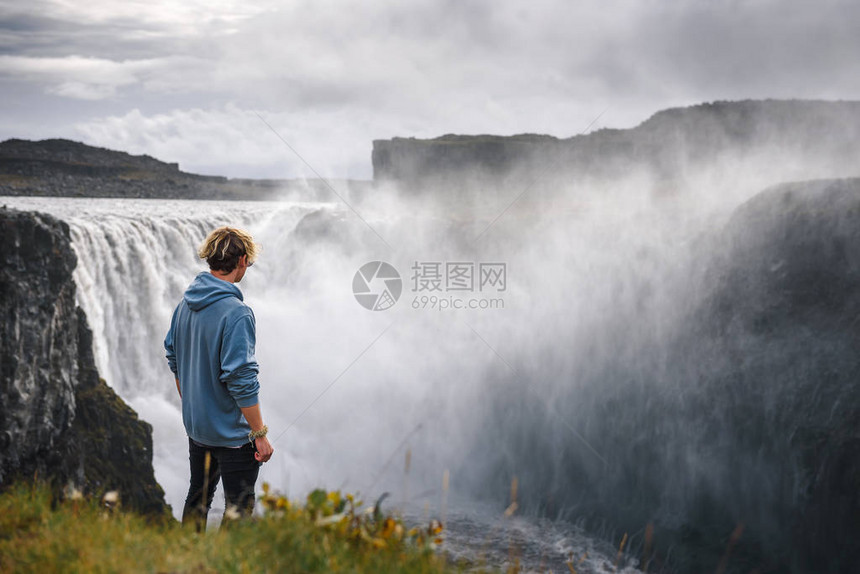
59, 421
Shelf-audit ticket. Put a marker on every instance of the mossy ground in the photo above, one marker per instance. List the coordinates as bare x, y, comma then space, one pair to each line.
330, 533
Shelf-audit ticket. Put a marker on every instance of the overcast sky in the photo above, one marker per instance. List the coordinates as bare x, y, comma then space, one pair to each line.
185, 81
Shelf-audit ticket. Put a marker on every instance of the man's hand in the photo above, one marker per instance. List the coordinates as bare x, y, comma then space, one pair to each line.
264, 449
255, 420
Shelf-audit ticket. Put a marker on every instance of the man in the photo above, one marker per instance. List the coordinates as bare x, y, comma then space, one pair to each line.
210, 349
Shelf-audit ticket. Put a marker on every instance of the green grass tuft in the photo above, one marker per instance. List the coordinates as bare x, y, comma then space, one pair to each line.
329, 533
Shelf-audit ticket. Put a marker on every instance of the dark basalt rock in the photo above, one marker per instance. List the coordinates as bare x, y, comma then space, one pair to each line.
745, 418
58, 420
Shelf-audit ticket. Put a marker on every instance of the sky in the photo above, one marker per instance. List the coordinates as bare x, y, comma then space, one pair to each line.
216, 85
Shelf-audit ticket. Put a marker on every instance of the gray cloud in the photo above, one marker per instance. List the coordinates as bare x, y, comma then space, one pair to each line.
794, 48
37, 34
421, 68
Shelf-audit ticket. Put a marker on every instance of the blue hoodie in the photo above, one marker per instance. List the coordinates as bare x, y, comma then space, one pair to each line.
210, 349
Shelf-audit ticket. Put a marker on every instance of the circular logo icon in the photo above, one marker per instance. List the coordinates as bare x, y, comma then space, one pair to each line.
377, 286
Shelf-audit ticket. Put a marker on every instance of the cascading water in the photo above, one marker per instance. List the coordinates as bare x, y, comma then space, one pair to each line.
345, 391
134, 261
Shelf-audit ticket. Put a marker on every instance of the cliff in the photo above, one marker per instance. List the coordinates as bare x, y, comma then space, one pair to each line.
64, 168
668, 145
58, 420
744, 416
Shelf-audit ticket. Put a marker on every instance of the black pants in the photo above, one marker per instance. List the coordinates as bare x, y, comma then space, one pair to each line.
235, 467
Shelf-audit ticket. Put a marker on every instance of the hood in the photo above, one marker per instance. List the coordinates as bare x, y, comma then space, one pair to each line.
207, 289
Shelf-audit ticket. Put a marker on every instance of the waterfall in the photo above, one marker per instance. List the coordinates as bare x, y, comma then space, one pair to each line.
336, 421
347, 392
135, 259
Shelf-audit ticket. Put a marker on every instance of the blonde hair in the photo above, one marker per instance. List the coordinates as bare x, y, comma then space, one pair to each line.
224, 246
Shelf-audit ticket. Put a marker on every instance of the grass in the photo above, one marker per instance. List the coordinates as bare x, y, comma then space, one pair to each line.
330, 532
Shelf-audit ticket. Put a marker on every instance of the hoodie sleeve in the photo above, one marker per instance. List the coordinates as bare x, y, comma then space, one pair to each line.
238, 364
168, 344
